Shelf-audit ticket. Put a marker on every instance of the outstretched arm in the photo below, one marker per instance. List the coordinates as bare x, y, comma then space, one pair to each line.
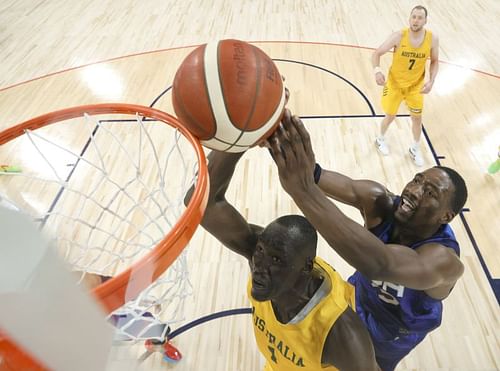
372, 199
221, 219
428, 267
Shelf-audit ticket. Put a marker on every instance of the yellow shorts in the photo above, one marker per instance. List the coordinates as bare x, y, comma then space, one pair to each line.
392, 96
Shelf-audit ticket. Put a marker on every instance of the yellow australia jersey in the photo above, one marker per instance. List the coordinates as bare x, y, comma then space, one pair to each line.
298, 345
408, 63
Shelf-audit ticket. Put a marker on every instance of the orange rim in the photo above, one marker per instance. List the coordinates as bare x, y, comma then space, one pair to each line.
128, 284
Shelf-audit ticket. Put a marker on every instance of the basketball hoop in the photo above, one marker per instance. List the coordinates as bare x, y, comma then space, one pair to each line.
116, 209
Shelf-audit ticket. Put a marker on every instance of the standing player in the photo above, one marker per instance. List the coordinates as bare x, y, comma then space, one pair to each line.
302, 317
406, 255
412, 46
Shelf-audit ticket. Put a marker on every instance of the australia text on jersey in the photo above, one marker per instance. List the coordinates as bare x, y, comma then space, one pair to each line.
413, 54
276, 344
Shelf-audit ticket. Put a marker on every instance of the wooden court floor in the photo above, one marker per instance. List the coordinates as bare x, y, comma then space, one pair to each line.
323, 49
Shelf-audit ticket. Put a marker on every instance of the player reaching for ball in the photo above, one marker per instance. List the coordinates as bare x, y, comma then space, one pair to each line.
302, 309
302, 316
231, 96
406, 255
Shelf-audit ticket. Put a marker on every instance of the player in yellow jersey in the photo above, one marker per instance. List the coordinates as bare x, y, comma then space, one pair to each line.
405, 81
302, 317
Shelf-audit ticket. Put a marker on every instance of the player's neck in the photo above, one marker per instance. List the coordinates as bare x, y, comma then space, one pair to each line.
287, 306
407, 234
417, 34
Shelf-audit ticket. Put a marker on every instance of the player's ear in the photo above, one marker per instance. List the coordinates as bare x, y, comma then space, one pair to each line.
447, 217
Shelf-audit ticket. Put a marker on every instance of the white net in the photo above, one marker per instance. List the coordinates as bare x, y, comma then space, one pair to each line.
108, 188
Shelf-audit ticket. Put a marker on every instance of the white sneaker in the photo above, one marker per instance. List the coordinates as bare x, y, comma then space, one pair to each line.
382, 146
416, 156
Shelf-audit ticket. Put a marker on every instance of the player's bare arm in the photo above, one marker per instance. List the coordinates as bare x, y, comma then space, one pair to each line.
434, 65
391, 42
372, 199
348, 345
429, 267
221, 219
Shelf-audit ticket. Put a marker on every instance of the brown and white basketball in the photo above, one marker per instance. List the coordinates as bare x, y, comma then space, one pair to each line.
229, 94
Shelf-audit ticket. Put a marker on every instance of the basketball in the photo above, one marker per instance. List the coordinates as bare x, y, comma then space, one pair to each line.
229, 94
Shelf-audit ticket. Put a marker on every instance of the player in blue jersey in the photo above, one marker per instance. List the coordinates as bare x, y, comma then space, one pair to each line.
406, 255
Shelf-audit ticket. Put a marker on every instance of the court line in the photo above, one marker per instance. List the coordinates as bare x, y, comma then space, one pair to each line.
360, 92
57, 197
494, 282
209, 317
490, 74
160, 96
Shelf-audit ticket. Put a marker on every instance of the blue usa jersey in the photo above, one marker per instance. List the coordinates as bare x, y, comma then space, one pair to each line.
398, 317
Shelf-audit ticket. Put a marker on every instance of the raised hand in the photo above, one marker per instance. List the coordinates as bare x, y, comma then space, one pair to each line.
292, 152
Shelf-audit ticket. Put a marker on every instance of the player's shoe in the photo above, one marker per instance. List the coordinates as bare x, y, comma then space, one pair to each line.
382, 146
416, 156
170, 353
